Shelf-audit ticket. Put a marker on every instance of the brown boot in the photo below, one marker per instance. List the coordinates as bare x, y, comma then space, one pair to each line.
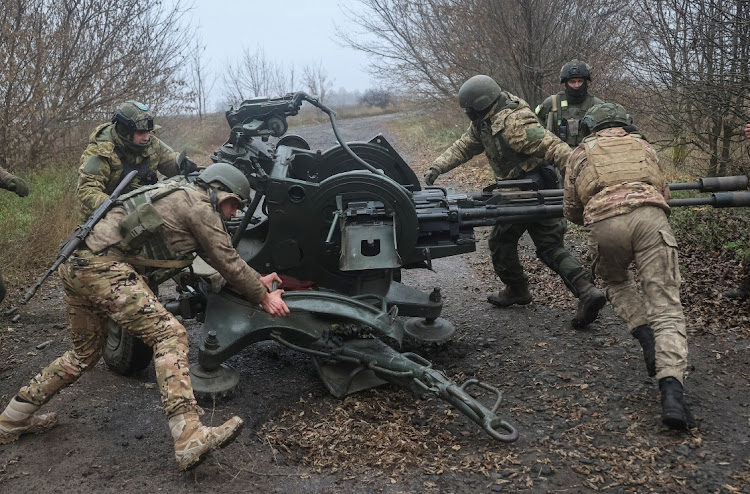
590, 302
193, 440
18, 418
515, 294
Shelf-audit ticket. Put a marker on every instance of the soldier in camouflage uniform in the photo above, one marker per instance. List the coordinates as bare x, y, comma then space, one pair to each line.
517, 146
12, 183
615, 186
561, 113
156, 227
742, 291
118, 147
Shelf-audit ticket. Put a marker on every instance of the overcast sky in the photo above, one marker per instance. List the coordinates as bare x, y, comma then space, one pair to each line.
292, 32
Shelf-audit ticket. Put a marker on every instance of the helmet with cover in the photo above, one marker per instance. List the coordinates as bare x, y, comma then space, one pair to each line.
478, 93
575, 69
227, 178
605, 115
132, 116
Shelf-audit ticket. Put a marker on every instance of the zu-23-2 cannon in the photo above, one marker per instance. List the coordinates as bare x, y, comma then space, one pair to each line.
345, 222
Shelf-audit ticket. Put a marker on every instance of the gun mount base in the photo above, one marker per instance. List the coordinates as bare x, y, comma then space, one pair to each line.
436, 330
215, 383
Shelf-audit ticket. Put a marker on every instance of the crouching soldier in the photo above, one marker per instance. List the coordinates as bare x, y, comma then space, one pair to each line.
155, 227
615, 186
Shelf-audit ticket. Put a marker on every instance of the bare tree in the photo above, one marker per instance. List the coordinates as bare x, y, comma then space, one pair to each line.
316, 81
199, 80
691, 64
255, 75
433, 46
66, 62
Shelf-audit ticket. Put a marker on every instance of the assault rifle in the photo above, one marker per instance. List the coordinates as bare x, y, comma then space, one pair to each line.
71, 244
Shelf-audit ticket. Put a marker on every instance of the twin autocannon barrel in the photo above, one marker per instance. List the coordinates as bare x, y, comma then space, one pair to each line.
496, 205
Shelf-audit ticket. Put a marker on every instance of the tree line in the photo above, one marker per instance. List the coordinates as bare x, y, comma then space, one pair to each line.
681, 67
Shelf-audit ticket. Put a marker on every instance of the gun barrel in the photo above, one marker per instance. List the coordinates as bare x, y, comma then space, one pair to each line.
714, 184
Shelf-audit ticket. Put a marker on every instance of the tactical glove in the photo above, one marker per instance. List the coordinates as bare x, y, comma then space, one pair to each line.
17, 185
188, 166
431, 175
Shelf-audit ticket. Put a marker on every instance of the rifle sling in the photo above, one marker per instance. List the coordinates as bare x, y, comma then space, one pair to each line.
150, 263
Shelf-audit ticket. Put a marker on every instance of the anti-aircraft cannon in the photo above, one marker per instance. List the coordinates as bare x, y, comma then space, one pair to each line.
345, 222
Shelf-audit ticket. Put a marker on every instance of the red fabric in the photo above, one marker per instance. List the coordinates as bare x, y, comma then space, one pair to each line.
291, 284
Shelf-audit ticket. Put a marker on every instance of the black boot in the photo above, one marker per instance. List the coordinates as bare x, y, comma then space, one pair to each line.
515, 294
645, 336
590, 302
674, 412
739, 292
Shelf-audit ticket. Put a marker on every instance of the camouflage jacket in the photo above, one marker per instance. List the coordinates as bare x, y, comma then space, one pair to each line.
564, 122
5, 175
101, 166
599, 185
190, 225
511, 137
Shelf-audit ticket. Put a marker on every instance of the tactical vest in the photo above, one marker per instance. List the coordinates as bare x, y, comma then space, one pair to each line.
614, 160
141, 228
502, 158
564, 119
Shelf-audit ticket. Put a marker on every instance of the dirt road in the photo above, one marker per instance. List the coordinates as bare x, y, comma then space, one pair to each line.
589, 418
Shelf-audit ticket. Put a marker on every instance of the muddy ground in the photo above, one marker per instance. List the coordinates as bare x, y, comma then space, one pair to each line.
588, 416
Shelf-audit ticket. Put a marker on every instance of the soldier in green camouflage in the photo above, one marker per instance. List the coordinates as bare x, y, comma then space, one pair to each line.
561, 113
155, 227
117, 147
742, 291
12, 183
615, 186
517, 146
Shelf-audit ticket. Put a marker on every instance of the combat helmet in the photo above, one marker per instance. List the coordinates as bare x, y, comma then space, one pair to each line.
478, 93
231, 179
575, 68
132, 116
604, 115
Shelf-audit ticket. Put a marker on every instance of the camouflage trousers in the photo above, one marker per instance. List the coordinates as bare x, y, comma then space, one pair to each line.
548, 237
95, 292
644, 236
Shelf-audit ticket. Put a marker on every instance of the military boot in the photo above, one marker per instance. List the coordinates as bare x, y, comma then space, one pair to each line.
590, 302
675, 414
515, 294
18, 418
645, 336
739, 292
193, 440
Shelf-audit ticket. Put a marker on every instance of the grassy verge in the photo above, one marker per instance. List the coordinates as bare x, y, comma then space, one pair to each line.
33, 227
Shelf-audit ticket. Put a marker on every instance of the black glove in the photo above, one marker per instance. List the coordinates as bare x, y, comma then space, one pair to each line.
431, 175
188, 166
18, 186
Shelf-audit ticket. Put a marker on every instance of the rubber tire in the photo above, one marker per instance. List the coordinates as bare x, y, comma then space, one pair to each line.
124, 353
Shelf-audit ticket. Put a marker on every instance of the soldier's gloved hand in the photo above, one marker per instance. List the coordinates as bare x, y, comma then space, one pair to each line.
18, 186
188, 166
431, 175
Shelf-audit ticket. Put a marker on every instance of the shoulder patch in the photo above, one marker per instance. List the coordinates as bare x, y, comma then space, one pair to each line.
538, 109
92, 165
535, 133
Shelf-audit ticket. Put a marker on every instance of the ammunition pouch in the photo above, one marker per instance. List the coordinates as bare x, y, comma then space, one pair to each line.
139, 227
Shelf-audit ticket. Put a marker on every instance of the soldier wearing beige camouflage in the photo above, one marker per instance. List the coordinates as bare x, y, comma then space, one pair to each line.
615, 186
115, 148
102, 282
517, 146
